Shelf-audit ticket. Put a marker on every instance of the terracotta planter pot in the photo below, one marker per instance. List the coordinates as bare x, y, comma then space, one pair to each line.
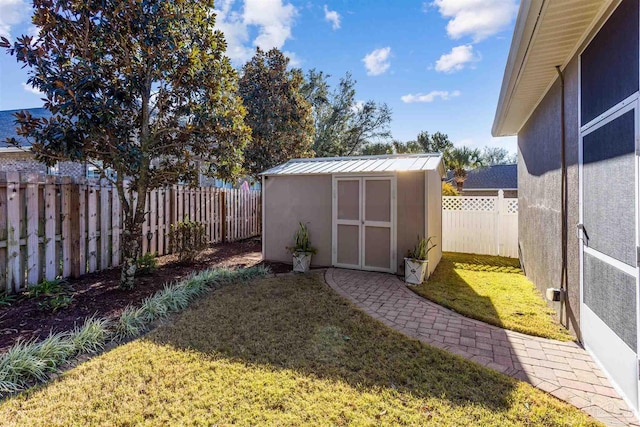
301, 261
415, 270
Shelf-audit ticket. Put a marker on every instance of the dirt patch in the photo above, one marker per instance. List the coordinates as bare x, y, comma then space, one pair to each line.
98, 293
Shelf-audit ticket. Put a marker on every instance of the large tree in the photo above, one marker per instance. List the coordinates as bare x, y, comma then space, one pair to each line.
460, 160
425, 143
141, 87
278, 114
497, 156
344, 126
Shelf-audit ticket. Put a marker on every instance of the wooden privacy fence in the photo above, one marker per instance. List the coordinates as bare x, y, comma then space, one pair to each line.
53, 227
480, 225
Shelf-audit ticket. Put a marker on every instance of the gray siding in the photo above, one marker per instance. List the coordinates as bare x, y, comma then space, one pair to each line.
539, 203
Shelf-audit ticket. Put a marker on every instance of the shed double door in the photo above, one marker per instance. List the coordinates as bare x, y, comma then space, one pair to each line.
364, 229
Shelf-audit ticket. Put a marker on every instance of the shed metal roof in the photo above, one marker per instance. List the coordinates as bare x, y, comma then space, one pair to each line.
360, 164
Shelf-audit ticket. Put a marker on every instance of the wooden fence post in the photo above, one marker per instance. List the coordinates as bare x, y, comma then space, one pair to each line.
74, 218
50, 211
93, 227
116, 212
65, 228
82, 226
33, 244
13, 232
4, 260
223, 216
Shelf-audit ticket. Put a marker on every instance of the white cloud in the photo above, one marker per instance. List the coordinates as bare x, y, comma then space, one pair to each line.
476, 18
377, 62
12, 12
294, 61
445, 95
27, 87
457, 59
357, 106
271, 19
332, 16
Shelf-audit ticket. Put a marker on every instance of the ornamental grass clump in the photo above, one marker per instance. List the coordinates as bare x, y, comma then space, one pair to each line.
91, 336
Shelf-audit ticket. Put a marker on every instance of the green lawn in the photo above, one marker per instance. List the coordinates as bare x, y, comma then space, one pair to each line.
492, 289
283, 351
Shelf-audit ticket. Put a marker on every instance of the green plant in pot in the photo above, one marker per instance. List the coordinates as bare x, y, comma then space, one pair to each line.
416, 263
302, 249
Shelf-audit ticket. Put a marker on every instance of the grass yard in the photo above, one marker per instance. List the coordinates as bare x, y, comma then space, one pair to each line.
282, 351
492, 289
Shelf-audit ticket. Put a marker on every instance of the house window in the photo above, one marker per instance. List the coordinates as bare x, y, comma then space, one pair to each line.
94, 172
54, 170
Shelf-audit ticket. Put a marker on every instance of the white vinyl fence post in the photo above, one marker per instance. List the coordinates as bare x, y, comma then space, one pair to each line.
500, 212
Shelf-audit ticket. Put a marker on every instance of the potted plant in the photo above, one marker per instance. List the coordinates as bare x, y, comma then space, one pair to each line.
302, 249
416, 263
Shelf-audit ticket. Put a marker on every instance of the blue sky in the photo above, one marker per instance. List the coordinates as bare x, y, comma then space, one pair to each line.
438, 64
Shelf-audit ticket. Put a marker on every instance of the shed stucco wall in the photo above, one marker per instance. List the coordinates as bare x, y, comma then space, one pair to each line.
434, 217
292, 199
411, 213
539, 201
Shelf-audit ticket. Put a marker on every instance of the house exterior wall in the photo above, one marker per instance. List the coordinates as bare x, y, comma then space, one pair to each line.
292, 199
21, 162
539, 202
26, 163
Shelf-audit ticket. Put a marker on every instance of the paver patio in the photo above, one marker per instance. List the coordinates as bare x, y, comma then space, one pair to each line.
563, 369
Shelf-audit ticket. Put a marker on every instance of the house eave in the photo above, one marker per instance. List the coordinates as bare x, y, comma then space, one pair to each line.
536, 51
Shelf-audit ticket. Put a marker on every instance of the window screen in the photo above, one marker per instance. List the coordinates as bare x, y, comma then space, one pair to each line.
611, 294
609, 188
609, 70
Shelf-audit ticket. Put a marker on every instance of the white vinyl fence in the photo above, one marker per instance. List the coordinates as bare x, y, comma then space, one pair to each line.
480, 225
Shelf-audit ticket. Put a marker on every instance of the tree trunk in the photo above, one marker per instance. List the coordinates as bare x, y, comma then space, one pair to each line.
134, 217
131, 242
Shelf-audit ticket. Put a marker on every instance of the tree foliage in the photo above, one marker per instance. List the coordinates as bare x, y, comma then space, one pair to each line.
497, 156
138, 86
279, 116
459, 160
344, 126
377, 149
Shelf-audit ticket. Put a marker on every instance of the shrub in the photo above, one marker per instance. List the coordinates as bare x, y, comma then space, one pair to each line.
449, 190
56, 302
147, 263
187, 239
49, 288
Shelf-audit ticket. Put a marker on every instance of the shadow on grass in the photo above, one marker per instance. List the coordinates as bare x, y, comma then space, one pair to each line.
298, 323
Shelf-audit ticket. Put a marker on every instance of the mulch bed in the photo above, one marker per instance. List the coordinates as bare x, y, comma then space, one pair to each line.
98, 293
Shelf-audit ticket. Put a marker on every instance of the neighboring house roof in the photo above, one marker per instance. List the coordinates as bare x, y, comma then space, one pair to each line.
497, 177
547, 33
8, 126
360, 164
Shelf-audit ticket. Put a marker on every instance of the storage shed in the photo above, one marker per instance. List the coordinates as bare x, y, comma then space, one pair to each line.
362, 213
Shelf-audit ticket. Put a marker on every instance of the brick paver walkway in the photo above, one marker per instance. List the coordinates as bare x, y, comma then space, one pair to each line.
563, 369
